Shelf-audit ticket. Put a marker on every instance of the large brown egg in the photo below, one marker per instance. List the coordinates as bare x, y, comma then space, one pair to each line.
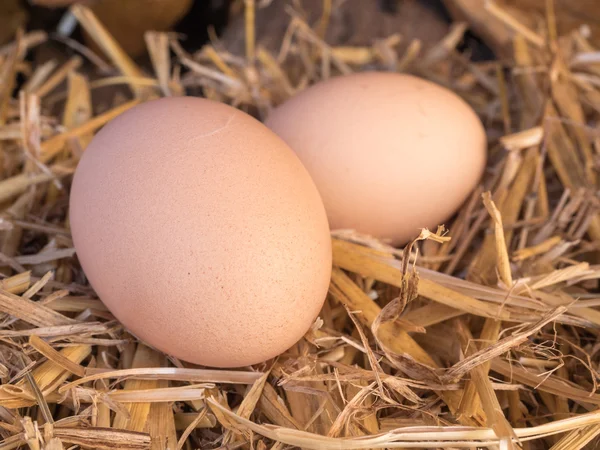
390, 153
201, 231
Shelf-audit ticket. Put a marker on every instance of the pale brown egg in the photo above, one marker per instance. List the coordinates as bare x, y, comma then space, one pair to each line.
201, 231
390, 153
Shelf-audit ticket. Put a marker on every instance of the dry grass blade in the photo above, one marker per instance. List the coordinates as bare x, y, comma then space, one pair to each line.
521, 140
409, 437
415, 360
54, 145
161, 423
502, 254
39, 399
217, 406
348, 293
107, 43
509, 200
500, 347
154, 394
379, 269
58, 77
250, 29
535, 250
78, 108
184, 420
65, 303
199, 419
480, 383
38, 285
89, 328
13, 186
45, 257
158, 47
31, 312
139, 410
59, 359
48, 377
249, 403
17, 284
344, 417
172, 373
104, 439
273, 407
577, 439
511, 22
543, 382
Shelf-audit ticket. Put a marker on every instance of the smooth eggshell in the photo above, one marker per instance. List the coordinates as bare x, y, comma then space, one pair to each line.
390, 153
201, 231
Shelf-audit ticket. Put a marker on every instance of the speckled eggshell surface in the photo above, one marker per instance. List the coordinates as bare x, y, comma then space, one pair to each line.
389, 153
201, 231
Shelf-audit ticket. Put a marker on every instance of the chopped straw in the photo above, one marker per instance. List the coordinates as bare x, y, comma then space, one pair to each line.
483, 337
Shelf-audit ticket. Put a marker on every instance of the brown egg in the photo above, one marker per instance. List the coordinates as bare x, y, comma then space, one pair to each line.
201, 231
58, 3
390, 153
128, 21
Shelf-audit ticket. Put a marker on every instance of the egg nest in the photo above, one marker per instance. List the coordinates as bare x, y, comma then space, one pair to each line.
481, 334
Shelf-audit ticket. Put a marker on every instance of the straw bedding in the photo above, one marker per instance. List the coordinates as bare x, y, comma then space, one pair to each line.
481, 335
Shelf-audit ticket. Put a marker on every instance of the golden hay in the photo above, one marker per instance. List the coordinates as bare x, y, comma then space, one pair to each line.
488, 339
